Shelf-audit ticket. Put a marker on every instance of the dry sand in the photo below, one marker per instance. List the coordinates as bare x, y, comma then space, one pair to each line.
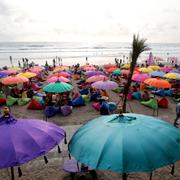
38, 170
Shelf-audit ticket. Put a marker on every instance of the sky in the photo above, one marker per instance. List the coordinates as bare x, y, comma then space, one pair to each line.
90, 20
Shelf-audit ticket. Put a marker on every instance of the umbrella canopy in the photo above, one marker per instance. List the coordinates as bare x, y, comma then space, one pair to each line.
154, 67
2, 74
93, 73
56, 78
175, 71
105, 85
96, 78
157, 73
145, 70
110, 70
9, 71
172, 76
24, 140
140, 77
166, 69
14, 79
126, 66
28, 74
64, 74
58, 87
126, 143
117, 72
158, 83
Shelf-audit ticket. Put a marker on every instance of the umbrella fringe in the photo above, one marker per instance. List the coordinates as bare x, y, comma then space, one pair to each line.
19, 172
45, 159
59, 149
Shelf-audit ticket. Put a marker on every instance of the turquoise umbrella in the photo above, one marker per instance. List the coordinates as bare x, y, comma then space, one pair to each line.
126, 143
58, 87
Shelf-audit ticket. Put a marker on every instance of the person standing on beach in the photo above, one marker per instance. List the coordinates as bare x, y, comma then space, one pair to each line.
177, 114
54, 63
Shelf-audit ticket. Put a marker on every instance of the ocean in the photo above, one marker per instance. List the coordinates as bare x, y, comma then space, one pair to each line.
73, 52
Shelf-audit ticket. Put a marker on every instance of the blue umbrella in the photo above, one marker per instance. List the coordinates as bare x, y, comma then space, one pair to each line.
157, 73
126, 143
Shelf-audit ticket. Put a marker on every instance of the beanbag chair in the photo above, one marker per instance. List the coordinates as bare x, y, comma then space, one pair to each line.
50, 111
168, 92
117, 90
86, 98
112, 106
136, 95
35, 105
39, 99
66, 110
104, 108
159, 92
84, 91
2, 101
23, 101
163, 103
94, 96
79, 101
96, 106
11, 101
152, 103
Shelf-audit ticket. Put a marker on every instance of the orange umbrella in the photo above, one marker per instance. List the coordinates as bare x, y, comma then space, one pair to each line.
112, 69
96, 78
64, 74
158, 83
14, 79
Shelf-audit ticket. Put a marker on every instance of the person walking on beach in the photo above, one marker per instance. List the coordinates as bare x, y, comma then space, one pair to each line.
177, 114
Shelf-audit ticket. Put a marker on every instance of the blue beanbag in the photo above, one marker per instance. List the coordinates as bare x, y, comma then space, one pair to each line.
84, 91
104, 108
79, 101
159, 92
168, 92
136, 95
66, 110
94, 96
50, 111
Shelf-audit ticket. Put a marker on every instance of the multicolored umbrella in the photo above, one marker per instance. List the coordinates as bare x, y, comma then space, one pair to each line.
96, 78
126, 143
58, 87
172, 76
56, 78
140, 77
158, 83
105, 85
14, 79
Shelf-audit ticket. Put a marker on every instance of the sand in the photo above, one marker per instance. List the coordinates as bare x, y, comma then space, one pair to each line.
38, 170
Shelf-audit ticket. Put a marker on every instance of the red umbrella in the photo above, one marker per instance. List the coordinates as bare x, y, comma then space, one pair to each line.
14, 79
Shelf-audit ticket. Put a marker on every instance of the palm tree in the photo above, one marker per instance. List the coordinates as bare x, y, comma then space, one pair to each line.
138, 46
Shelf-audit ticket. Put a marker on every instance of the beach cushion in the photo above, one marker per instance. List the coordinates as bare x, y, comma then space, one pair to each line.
23, 101
66, 110
159, 92
34, 104
152, 103
84, 91
136, 95
86, 98
11, 101
112, 106
117, 90
163, 103
79, 101
50, 111
104, 108
96, 106
2, 101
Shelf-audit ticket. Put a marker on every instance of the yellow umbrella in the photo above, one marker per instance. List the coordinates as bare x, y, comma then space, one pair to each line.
145, 70
154, 67
126, 66
172, 76
15, 68
28, 74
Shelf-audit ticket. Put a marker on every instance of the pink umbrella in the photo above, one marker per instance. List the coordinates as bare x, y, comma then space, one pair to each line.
166, 69
14, 79
96, 78
9, 71
140, 77
90, 68
57, 78
104, 85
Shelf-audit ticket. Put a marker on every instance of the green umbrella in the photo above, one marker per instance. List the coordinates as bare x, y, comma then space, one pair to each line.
117, 72
58, 87
126, 143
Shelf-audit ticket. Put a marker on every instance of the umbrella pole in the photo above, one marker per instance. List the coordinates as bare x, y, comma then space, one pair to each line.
12, 173
124, 176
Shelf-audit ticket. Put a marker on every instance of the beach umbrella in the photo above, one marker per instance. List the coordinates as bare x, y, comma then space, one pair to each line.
172, 76
23, 140
28, 74
158, 83
117, 72
58, 87
157, 73
96, 78
166, 69
56, 78
64, 74
140, 77
126, 143
110, 70
9, 71
125, 66
145, 70
14, 79
175, 71
90, 68
93, 73
15, 68
106, 66
154, 67
3, 74
105, 85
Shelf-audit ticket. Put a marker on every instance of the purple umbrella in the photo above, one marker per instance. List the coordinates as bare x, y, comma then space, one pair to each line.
93, 73
105, 85
3, 74
175, 71
24, 140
